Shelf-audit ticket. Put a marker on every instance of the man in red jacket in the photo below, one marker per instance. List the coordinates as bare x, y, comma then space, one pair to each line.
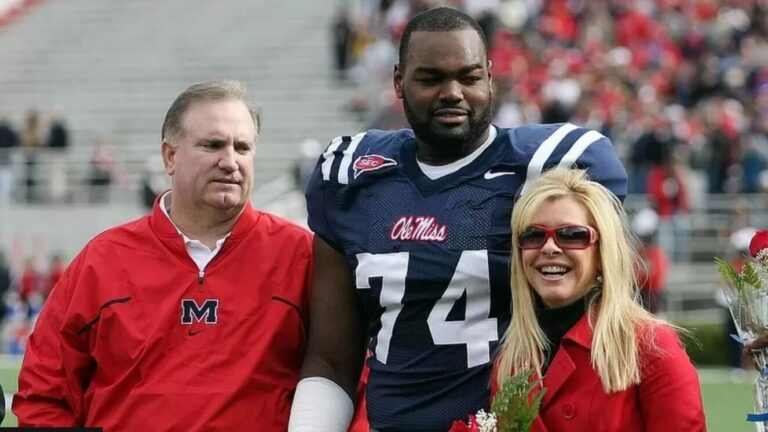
190, 318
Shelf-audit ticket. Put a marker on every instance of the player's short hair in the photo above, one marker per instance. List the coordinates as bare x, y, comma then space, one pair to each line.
209, 91
438, 19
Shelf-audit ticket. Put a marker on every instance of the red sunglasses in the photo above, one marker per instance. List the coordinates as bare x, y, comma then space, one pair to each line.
565, 236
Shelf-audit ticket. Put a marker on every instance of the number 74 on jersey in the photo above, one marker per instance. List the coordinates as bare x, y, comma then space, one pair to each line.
471, 276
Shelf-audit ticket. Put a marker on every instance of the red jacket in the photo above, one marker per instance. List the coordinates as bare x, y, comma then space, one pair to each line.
668, 399
135, 338
668, 191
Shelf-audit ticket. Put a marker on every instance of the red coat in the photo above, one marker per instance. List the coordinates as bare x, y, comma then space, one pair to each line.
668, 191
667, 400
133, 338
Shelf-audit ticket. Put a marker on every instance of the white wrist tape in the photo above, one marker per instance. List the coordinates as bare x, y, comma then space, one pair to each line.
320, 405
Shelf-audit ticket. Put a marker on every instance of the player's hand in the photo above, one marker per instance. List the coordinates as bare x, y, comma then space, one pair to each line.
760, 342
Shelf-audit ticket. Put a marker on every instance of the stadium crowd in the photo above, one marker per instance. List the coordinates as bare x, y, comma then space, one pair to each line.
24, 287
36, 165
680, 83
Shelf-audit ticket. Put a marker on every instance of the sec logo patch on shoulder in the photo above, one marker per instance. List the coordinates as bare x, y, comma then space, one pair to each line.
371, 163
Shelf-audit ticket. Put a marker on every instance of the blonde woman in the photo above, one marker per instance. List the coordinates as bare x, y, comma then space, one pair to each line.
606, 363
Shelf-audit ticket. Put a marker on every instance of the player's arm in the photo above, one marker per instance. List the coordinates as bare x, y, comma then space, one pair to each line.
54, 371
323, 400
336, 346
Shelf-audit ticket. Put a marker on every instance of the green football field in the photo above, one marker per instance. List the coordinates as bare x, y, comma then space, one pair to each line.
727, 399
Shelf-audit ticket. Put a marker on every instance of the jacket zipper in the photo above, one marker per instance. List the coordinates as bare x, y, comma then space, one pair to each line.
200, 276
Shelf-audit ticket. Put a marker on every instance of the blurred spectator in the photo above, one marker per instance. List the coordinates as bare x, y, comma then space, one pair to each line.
754, 163
302, 168
154, 181
57, 143
5, 287
31, 142
509, 110
649, 150
55, 271
717, 148
341, 36
30, 285
668, 194
560, 93
652, 276
9, 140
20, 327
373, 75
103, 170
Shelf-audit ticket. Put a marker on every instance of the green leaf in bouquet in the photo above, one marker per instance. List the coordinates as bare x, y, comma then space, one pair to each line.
750, 275
730, 275
513, 410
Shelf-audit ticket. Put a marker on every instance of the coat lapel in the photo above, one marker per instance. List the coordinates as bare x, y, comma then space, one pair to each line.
562, 367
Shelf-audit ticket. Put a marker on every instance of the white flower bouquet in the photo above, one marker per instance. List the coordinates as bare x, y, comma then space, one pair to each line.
747, 297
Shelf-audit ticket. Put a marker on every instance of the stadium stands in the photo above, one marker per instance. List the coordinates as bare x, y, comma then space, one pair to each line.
112, 68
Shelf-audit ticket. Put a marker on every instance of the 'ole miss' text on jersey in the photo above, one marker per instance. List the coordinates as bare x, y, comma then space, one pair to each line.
431, 257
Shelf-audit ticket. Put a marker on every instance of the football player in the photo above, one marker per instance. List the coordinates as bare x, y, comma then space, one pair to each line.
413, 239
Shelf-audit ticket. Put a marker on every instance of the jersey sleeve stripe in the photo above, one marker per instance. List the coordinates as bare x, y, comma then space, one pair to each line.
579, 147
346, 161
329, 156
536, 165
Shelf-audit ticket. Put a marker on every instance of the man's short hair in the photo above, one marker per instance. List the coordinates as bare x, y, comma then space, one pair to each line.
438, 20
210, 91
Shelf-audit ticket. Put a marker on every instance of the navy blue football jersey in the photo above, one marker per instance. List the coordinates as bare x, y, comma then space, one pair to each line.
431, 257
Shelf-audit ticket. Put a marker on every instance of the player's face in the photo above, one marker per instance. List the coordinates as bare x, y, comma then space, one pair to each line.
561, 275
211, 161
445, 85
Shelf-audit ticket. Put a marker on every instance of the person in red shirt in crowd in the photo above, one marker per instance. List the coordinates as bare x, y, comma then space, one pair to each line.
29, 280
605, 362
29, 285
653, 271
668, 193
191, 318
54, 274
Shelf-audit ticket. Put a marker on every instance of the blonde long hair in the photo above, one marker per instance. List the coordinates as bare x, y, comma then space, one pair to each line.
615, 315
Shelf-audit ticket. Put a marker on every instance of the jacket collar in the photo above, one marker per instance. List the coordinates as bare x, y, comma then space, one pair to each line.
581, 332
163, 226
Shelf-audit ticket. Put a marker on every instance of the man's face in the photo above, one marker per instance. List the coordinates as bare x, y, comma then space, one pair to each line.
211, 159
445, 86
